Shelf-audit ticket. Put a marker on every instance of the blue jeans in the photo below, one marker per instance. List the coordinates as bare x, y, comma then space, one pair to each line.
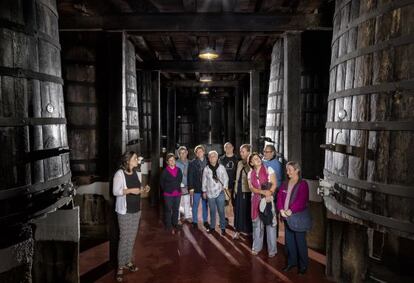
219, 203
258, 235
196, 201
296, 247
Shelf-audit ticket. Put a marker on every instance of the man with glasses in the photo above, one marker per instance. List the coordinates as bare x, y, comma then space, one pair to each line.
270, 160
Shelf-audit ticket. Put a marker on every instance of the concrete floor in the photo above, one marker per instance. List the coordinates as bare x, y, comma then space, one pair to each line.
194, 256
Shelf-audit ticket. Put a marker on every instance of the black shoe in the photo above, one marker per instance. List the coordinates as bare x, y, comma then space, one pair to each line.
178, 226
209, 230
302, 271
288, 267
195, 226
206, 225
223, 232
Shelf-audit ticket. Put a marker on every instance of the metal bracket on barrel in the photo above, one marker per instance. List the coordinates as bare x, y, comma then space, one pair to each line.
325, 188
357, 151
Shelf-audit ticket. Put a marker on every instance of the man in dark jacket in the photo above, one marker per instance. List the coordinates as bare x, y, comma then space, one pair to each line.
195, 174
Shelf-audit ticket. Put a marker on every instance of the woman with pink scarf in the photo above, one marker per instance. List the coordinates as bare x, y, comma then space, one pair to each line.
262, 183
170, 183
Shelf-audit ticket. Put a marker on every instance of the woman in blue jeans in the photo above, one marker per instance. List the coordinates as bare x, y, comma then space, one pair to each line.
215, 181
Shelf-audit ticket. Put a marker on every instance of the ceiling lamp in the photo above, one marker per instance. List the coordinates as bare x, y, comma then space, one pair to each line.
204, 92
208, 54
206, 79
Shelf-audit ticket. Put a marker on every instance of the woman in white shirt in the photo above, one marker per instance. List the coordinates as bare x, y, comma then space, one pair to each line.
127, 188
215, 180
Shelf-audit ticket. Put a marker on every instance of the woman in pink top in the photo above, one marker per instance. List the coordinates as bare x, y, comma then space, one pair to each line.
170, 182
288, 203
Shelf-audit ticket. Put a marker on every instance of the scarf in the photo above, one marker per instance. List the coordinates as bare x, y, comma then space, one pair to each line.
173, 171
214, 170
257, 181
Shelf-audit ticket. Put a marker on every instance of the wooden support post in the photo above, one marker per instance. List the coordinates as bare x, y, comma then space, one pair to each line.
254, 109
238, 121
156, 136
292, 119
115, 92
230, 120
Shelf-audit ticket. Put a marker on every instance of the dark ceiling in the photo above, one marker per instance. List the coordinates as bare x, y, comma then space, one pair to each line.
176, 30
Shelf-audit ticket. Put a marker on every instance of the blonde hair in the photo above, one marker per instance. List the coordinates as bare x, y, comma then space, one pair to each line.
246, 146
295, 165
200, 146
211, 152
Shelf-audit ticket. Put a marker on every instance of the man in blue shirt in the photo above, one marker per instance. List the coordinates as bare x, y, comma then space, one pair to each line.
270, 160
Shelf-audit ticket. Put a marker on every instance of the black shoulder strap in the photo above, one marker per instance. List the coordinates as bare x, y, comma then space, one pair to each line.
294, 191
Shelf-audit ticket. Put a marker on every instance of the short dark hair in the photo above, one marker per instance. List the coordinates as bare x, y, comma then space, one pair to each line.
169, 155
249, 159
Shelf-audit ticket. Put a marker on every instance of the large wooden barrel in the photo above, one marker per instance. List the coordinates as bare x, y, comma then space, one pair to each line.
370, 129
144, 91
34, 165
132, 119
274, 118
209, 121
82, 106
185, 130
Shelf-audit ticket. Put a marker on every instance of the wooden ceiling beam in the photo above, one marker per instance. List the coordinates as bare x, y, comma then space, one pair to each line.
187, 22
191, 83
244, 46
189, 5
143, 49
219, 46
229, 5
168, 42
201, 66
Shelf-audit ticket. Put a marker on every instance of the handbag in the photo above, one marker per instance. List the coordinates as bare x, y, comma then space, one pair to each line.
300, 221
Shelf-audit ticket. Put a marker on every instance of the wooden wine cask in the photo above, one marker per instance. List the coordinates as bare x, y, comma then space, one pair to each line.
274, 117
82, 109
132, 119
144, 90
369, 159
35, 171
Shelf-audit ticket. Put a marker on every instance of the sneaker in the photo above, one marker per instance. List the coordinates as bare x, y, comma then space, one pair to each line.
271, 255
236, 236
206, 225
223, 232
254, 252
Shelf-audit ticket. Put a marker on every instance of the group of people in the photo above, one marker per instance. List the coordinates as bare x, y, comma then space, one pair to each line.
253, 185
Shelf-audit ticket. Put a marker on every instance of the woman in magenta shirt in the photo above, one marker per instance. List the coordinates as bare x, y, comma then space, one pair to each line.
290, 202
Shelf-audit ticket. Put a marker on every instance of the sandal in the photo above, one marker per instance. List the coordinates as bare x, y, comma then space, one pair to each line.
120, 274
131, 267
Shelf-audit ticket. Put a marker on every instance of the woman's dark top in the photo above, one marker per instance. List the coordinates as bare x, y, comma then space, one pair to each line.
133, 201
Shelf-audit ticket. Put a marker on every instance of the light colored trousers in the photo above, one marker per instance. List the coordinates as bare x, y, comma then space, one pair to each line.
258, 233
128, 229
185, 206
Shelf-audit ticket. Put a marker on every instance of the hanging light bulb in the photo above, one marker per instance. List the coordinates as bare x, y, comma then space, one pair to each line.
208, 54
204, 91
206, 79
